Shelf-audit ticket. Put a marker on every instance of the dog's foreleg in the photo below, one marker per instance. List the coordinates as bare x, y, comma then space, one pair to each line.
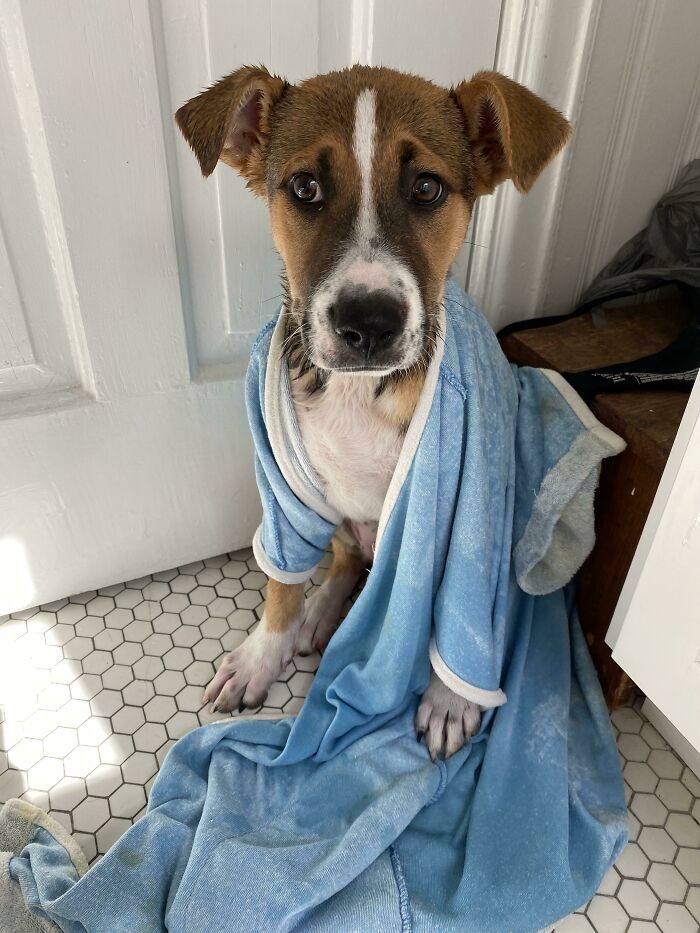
325, 606
246, 674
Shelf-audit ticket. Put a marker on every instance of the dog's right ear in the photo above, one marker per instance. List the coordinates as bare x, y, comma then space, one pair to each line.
231, 121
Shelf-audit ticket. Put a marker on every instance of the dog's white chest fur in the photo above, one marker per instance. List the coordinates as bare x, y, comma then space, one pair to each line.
352, 449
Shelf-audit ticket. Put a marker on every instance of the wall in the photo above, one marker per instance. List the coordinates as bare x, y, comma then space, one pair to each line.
628, 75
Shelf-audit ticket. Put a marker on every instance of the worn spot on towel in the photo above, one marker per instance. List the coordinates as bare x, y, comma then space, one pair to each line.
130, 857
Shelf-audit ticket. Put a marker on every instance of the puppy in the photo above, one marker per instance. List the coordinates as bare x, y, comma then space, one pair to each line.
370, 177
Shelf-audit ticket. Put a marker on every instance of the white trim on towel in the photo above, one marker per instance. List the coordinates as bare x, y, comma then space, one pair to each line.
484, 698
414, 432
583, 412
30, 814
282, 576
275, 431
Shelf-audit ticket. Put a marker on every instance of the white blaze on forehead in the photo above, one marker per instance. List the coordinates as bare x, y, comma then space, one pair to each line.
364, 263
364, 134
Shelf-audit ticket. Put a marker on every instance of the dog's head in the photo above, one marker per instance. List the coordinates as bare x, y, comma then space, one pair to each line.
370, 176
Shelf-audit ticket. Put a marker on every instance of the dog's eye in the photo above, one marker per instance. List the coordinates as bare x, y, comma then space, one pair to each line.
427, 189
305, 188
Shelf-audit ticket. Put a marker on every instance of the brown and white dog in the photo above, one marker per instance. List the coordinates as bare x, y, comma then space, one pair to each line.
370, 177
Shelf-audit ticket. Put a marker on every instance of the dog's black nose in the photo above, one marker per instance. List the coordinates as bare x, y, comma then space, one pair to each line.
368, 322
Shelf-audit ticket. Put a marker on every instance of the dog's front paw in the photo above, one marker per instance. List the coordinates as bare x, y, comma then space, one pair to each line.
246, 674
445, 719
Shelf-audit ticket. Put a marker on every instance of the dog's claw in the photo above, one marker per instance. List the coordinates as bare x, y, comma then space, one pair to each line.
419, 735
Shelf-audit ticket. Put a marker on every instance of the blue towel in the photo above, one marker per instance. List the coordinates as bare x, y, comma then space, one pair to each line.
337, 819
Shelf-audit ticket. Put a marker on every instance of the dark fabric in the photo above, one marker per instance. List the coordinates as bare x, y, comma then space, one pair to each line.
666, 252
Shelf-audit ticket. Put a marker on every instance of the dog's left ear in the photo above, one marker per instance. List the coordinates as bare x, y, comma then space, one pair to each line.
231, 121
512, 132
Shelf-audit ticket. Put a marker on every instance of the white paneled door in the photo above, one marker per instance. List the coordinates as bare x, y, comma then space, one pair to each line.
130, 288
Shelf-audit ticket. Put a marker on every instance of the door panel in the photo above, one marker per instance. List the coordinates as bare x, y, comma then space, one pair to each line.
41, 354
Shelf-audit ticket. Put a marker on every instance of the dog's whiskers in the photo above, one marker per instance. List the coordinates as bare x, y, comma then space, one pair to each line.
290, 337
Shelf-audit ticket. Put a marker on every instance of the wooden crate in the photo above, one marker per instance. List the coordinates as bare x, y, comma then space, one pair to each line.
647, 420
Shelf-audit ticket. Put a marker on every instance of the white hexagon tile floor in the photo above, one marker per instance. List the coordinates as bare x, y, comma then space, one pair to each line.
94, 690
